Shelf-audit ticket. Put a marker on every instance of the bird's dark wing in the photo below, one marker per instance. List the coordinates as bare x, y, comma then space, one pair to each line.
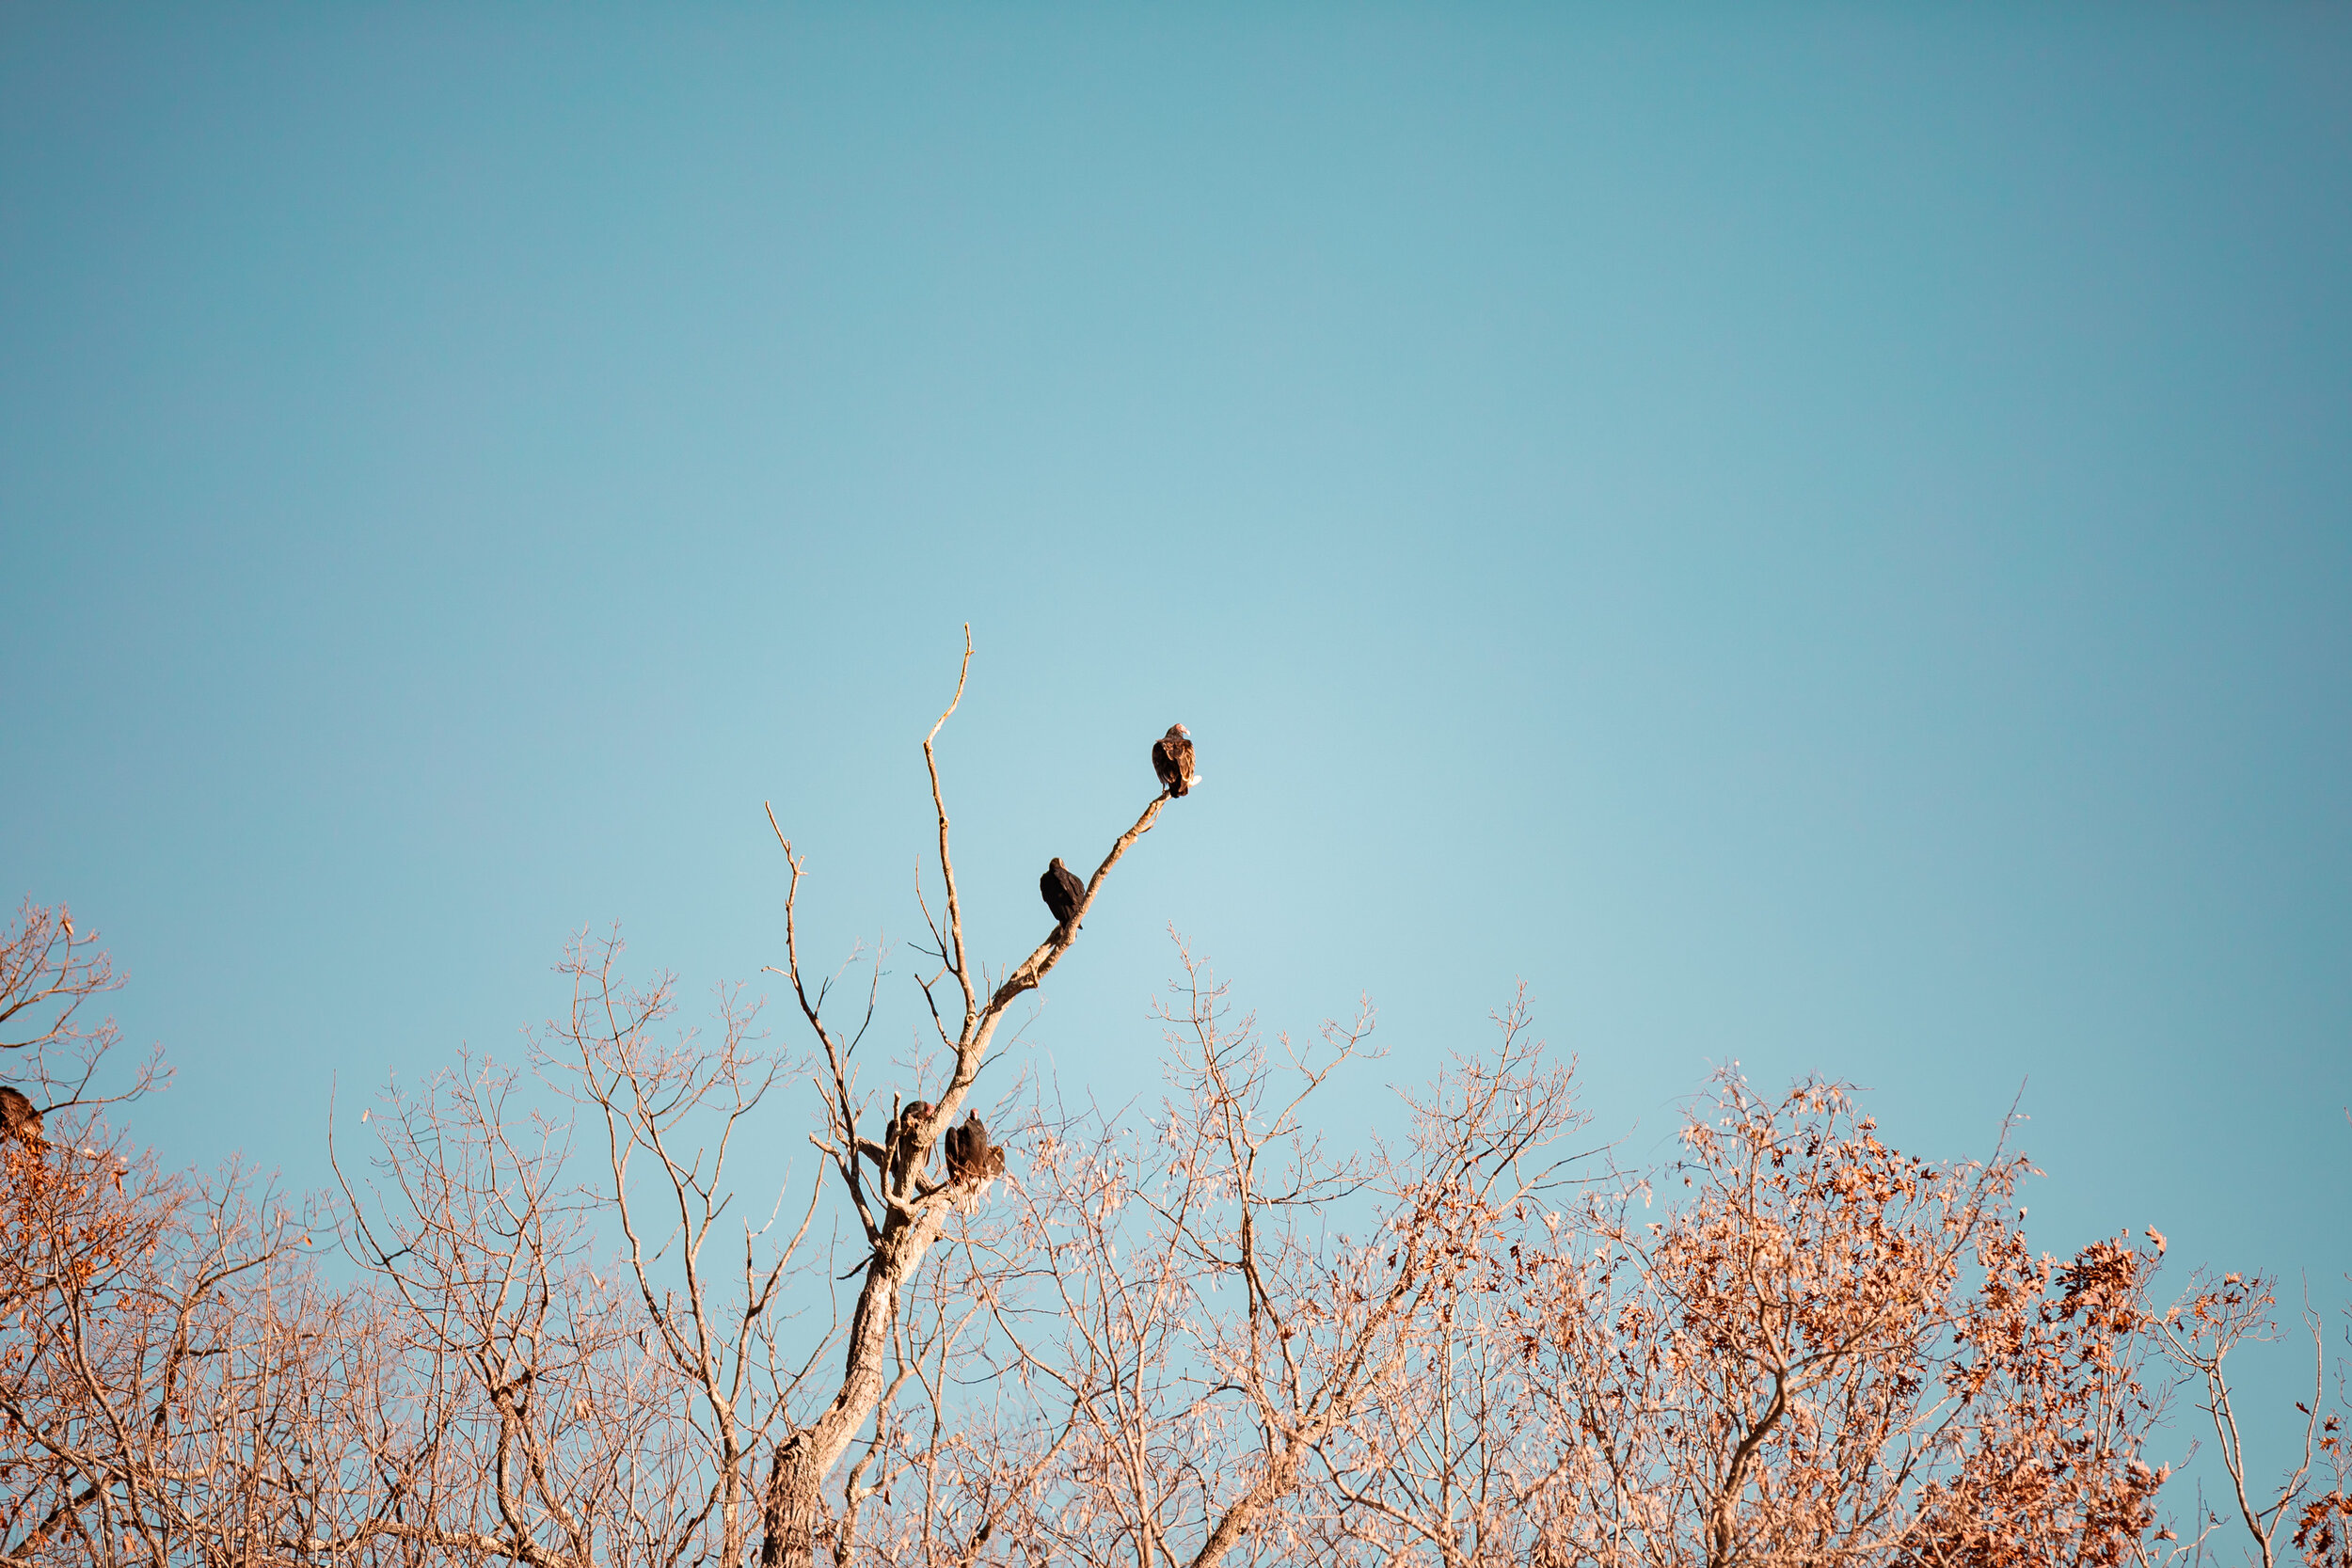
1054, 886
1066, 891
1164, 762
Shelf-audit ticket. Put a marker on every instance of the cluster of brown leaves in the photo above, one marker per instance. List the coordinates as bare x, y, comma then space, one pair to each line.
1829, 1350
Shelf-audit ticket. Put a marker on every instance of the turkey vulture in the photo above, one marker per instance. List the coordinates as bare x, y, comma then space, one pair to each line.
906, 1120
970, 1157
1171, 759
905, 1124
18, 1119
1063, 892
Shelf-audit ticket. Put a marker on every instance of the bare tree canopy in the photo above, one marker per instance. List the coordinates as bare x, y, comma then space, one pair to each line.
50, 973
545, 1319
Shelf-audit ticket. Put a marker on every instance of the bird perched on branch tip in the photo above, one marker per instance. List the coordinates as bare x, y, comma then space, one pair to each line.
1171, 759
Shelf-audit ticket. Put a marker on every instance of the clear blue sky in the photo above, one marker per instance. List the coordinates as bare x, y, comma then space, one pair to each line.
1818, 535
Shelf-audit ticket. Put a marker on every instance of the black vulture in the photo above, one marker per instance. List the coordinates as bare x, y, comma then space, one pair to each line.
1063, 892
1171, 759
18, 1119
969, 1156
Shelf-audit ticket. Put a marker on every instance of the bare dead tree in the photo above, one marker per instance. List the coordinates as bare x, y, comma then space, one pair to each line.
899, 1207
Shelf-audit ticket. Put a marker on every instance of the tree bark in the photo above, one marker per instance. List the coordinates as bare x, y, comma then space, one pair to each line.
794, 1512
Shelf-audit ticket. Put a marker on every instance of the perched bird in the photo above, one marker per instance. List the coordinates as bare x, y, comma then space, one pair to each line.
1171, 759
18, 1119
958, 1141
1063, 892
906, 1120
969, 1156
906, 1125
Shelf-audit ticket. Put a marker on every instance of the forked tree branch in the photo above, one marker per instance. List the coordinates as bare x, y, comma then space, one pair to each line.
912, 1208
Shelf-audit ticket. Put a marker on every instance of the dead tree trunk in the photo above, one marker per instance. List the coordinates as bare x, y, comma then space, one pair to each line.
900, 1209
794, 1512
